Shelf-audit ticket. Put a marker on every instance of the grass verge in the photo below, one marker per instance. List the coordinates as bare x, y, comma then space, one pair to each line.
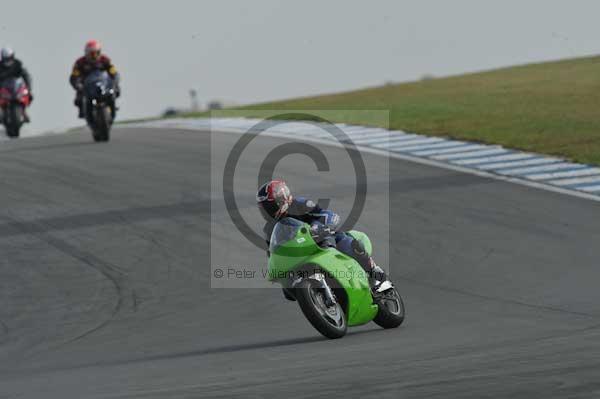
552, 107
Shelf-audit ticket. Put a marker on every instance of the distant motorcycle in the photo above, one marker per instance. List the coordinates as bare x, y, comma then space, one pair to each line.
99, 104
14, 98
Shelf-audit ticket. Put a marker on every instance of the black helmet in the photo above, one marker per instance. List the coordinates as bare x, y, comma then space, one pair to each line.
274, 199
7, 56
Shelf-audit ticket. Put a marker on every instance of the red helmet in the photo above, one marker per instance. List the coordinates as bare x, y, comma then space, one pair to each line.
93, 48
274, 199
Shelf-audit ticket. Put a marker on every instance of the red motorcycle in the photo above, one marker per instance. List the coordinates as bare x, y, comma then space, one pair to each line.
14, 98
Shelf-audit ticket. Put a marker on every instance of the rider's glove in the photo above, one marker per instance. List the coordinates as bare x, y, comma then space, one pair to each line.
319, 231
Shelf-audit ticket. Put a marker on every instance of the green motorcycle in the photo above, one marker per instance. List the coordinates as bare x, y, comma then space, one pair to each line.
331, 288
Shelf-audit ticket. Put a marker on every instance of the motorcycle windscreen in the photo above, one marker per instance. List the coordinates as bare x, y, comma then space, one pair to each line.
285, 230
95, 80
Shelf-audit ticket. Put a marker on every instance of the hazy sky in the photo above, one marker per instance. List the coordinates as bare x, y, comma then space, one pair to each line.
247, 51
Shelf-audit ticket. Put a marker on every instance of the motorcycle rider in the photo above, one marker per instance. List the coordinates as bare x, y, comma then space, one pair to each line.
275, 202
11, 67
92, 60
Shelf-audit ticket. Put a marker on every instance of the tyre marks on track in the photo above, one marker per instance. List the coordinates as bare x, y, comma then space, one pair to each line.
114, 274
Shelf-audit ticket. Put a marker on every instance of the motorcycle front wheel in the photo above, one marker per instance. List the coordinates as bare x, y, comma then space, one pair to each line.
328, 320
13, 121
102, 124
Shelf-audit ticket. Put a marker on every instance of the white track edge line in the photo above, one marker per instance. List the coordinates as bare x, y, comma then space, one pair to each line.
421, 161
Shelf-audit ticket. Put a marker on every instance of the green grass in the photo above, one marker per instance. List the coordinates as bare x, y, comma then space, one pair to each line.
553, 107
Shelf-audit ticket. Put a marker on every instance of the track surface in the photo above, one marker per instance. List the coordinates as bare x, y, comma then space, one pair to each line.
104, 285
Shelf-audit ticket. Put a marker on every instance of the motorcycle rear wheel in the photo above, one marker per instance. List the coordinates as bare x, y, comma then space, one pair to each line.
329, 321
391, 311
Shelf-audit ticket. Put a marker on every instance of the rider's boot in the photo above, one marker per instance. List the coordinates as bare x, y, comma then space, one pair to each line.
378, 279
78, 102
26, 116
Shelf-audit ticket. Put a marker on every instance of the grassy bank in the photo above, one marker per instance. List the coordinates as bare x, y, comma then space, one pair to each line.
552, 107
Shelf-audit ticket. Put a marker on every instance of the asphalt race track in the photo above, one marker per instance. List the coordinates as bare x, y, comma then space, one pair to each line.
105, 284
